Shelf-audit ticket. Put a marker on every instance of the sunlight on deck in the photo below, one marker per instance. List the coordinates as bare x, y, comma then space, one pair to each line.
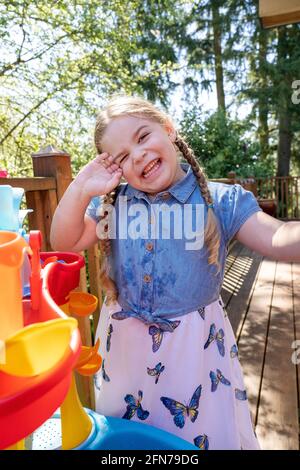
262, 299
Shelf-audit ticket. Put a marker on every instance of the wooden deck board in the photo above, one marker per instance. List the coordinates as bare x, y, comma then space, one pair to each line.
277, 419
238, 286
253, 334
262, 299
296, 307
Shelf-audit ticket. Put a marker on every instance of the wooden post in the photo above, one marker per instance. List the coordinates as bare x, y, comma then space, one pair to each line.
54, 163
232, 176
51, 161
94, 263
85, 385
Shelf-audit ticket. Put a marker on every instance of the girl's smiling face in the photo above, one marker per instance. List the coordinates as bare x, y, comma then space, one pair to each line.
145, 151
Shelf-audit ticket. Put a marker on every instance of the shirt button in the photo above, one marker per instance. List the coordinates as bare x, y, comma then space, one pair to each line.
149, 246
147, 278
165, 196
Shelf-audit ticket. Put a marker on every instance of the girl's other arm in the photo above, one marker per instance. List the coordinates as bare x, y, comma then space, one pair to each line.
270, 237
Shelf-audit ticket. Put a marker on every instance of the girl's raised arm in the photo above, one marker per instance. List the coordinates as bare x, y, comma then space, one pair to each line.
71, 229
270, 237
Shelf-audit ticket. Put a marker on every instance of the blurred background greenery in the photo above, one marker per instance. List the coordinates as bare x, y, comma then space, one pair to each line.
226, 82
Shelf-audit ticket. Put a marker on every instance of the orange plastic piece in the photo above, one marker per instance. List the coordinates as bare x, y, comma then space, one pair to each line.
51, 259
87, 353
12, 247
35, 241
89, 361
91, 367
81, 304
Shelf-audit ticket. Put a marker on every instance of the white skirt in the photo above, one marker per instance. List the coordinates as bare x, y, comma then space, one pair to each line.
188, 382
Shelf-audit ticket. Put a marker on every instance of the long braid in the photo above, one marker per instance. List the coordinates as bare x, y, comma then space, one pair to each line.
107, 283
211, 234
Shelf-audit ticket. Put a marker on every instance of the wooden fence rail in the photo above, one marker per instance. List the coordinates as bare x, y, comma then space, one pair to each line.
283, 191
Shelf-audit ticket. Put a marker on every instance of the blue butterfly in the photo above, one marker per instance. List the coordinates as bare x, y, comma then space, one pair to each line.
96, 381
158, 369
108, 340
240, 394
201, 311
233, 351
202, 442
104, 374
223, 307
134, 406
180, 411
216, 378
218, 336
157, 334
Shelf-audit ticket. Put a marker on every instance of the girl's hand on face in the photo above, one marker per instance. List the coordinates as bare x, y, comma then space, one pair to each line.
100, 176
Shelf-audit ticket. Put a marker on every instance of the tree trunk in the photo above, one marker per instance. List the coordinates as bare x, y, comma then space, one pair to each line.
284, 144
218, 56
263, 98
284, 118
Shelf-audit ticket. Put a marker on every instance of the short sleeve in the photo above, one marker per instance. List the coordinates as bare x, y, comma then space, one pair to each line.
238, 205
93, 208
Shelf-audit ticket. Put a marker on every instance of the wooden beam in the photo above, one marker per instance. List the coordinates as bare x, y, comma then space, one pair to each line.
34, 200
94, 278
276, 12
31, 184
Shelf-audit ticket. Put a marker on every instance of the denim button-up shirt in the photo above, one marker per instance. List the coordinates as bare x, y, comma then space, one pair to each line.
157, 277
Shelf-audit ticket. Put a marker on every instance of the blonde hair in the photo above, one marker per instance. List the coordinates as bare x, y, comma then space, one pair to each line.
134, 106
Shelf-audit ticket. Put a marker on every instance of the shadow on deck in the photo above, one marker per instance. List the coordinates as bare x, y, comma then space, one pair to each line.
262, 299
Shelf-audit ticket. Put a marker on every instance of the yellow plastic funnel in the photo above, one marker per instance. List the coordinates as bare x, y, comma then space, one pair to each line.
37, 347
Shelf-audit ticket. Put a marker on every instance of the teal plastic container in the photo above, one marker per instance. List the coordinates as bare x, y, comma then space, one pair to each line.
109, 434
120, 434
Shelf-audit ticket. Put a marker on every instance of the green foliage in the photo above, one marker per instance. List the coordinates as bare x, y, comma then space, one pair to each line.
222, 144
61, 60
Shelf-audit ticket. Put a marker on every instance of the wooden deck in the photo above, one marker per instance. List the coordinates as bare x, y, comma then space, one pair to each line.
262, 299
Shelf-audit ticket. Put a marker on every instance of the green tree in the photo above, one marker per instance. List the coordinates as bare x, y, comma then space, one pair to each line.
221, 144
60, 61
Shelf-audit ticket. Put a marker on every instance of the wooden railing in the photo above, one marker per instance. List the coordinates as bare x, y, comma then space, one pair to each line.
283, 191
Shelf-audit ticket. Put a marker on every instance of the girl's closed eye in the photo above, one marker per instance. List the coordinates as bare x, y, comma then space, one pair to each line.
123, 158
139, 140
143, 136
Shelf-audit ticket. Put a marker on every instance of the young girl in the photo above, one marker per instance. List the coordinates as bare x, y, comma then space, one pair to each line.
169, 353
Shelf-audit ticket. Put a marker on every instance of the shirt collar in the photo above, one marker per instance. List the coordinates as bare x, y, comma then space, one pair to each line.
181, 190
